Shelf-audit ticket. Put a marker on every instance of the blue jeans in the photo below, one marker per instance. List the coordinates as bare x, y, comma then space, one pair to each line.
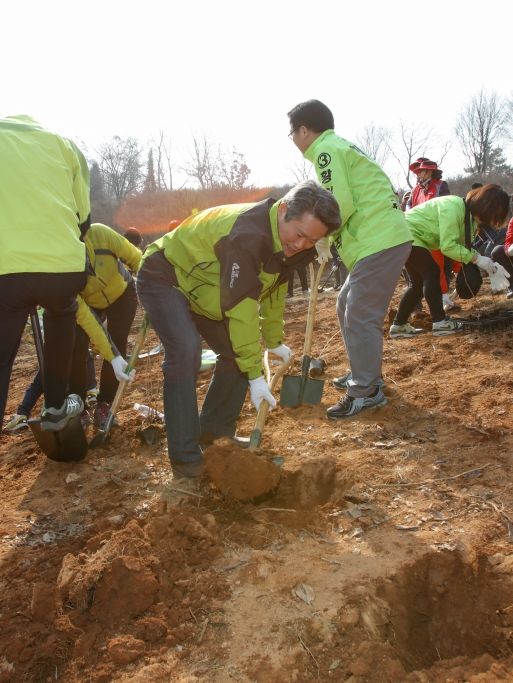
179, 330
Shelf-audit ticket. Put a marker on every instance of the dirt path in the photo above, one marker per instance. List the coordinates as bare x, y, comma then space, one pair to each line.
382, 554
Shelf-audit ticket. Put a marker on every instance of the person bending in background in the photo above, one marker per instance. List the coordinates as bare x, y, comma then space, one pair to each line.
503, 254
440, 224
110, 292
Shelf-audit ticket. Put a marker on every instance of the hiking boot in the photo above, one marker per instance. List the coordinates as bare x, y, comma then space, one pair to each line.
18, 422
85, 418
350, 406
341, 382
101, 413
207, 440
189, 470
55, 419
405, 331
445, 327
92, 397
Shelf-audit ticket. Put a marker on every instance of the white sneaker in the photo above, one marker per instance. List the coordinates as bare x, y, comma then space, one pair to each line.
445, 327
405, 331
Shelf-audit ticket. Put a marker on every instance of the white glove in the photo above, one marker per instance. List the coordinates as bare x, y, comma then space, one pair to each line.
259, 390
282, 351
487, 264
510, 250
119, 366
500, 279
323, 250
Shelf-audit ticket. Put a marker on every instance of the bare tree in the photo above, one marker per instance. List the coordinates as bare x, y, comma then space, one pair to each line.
375, 142
302, 170
202, 163
121, 166
413, 141
163, 156
480, 128
233, 169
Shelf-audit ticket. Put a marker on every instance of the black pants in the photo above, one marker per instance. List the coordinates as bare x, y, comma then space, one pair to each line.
499, 255
57, 294
120, 316
302, 278
424, 278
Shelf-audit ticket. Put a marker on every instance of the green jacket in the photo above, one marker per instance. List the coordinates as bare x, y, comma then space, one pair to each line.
229, 263
107, 278
371, 217
440, 224
44, 199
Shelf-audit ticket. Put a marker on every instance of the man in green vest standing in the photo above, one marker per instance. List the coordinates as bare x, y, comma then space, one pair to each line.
373, 242
44, 210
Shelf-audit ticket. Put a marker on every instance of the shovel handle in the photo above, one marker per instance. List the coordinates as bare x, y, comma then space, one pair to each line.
145, 326
256, 434
312, 304
38, 338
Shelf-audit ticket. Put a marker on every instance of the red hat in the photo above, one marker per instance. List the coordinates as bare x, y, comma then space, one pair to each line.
428, 166
173, 224
415, 165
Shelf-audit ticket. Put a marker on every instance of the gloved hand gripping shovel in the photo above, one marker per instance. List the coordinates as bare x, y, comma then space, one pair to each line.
256, 434
68, 444
102, 435
303, 389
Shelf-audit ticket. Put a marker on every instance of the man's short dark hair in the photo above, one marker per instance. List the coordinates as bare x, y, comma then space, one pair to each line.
490, 204
313, 114
475, 186
310, 197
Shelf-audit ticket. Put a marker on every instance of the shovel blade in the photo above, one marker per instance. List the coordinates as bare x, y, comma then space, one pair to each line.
290, 394
67, 445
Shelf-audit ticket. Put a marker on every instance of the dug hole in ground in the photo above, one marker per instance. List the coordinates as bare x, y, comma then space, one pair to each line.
380, 552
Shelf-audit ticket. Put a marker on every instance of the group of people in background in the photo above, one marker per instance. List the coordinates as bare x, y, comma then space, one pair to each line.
223, 275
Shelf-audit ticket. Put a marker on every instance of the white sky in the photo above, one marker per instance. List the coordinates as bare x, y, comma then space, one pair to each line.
90, 70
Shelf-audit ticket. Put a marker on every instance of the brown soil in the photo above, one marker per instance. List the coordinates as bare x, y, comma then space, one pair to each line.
380, 553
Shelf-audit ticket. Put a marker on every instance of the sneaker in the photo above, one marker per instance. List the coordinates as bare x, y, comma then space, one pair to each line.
350, 406
306, 291
101, 413
453, 307
446, 326
18, 422
207, 440
404, 331
54, 419
85, 418
189, 470
92, 397
341, 382
288, 296
509, 295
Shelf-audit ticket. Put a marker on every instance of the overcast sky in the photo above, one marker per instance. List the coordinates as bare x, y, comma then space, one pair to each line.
233, 69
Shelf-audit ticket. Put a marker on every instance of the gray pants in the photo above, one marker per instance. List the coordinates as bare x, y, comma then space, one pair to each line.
361, 306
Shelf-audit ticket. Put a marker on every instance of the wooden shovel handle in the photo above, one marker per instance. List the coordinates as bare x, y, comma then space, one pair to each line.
264, 406
314, 287
145, 326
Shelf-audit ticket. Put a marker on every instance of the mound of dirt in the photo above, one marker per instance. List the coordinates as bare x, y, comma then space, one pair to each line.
240, 474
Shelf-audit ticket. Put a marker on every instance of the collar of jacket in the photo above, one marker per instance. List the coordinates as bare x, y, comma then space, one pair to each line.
311, 151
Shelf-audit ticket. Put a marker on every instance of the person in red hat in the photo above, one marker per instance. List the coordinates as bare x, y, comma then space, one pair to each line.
430, 186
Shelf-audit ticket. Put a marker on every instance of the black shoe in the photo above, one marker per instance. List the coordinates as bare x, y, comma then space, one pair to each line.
53, 419
207, 440
350, 406
189, 470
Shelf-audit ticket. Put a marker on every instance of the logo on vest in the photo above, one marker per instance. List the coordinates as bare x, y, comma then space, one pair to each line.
323, 160
235, 274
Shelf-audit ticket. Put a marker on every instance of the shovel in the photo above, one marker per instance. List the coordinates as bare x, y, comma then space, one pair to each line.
102, 435
256, 434
68, 444
303, 389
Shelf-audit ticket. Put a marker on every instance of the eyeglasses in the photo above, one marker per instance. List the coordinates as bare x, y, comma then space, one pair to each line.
293, 131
